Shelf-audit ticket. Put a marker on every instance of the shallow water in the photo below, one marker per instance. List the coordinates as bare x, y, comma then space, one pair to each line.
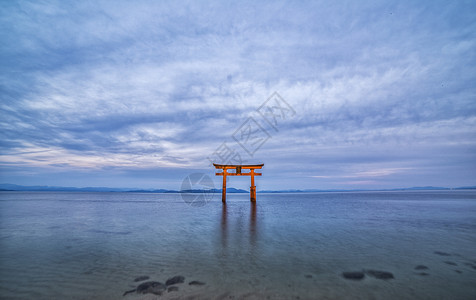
287, 246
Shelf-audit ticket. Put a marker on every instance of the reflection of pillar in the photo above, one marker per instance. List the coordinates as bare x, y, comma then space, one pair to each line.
253, 224
224, 221
253, 187
223, 191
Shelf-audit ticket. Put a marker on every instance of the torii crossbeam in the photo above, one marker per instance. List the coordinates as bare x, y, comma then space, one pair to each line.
238, 172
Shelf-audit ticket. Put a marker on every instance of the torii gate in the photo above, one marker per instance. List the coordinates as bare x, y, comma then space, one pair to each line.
238, 172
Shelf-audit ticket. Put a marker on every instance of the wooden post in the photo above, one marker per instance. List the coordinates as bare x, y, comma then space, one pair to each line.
223, 191
253, 187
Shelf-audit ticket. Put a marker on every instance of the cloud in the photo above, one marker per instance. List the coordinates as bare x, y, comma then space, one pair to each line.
367, 173
375, 87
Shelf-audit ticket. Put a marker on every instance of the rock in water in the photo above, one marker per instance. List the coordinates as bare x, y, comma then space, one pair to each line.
128, 292
451, 263
152, 287
141, 278
175, 280
353, 275
442, 253
379, 274
195, 282
172, 289
421, 267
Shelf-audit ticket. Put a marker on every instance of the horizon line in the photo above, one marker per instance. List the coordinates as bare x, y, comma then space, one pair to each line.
45, 188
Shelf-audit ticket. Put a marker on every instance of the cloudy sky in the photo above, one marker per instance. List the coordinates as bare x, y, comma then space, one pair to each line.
370, 94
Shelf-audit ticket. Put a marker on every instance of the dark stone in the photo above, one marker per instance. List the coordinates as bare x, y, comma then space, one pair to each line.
423, 274
172, 289
442, 253
195, 282
151, 287
379, 274
421, 267
308, 276
353, 275
175, 280
141, 278
458, 271
128, 292
451, 263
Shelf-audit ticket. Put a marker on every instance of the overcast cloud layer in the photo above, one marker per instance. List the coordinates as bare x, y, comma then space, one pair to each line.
140, 93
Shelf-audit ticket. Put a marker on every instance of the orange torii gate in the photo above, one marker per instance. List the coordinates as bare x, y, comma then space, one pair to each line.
238, 169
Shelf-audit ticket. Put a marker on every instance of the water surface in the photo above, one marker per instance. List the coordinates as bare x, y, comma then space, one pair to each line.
287, 246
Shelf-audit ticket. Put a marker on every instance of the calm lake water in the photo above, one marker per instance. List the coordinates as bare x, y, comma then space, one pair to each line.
287, 246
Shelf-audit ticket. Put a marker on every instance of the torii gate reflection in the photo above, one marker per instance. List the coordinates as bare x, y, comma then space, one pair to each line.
224, 225
238, 169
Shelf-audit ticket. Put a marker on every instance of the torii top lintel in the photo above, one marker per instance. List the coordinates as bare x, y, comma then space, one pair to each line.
238, 169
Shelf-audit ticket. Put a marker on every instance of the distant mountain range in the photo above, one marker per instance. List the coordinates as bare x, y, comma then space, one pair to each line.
14, 187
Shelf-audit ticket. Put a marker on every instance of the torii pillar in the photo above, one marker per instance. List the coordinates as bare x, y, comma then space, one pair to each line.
238, 169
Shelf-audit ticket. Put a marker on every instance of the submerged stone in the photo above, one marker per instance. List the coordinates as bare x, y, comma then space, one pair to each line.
172, 289
175, 280
128, 292
442, 253
421, 267
451, 263
379, 274
353, 275
195, 282
151, 287
141, 278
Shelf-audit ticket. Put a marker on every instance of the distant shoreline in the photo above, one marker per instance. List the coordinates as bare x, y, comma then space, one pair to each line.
21, 188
